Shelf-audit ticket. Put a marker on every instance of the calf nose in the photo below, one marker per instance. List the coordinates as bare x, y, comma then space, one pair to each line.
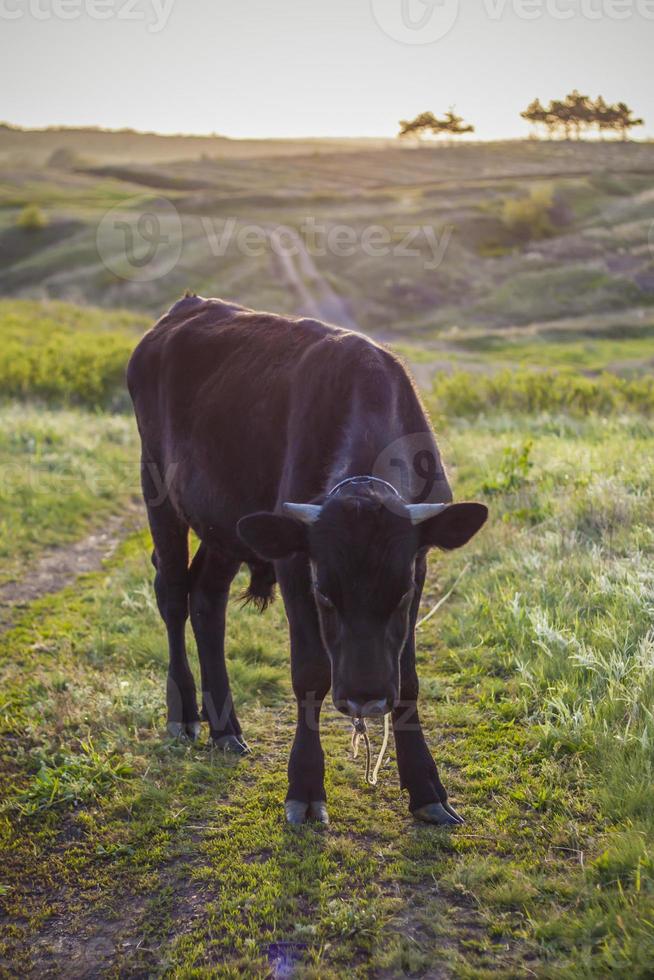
364, 709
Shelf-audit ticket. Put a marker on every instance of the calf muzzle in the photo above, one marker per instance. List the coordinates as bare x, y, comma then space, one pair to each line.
365, 709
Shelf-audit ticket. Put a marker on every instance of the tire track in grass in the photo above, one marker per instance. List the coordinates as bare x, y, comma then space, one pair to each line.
314, 294
59, 567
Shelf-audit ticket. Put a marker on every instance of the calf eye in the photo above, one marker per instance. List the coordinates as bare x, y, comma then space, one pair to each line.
324, 600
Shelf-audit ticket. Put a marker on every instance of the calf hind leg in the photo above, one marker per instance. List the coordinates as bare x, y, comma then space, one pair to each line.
211, 576
171, 586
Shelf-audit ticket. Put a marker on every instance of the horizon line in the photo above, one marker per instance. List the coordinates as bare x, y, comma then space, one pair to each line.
468, 139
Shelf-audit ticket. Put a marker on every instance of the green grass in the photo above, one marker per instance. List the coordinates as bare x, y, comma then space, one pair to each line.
562, 291
65, 354
52, 190
130, 854
61, 473
591, 354
68, 779
529, 391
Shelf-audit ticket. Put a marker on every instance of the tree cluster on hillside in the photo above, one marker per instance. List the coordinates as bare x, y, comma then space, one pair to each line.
427, 122
31, 218
63, 158
576, 114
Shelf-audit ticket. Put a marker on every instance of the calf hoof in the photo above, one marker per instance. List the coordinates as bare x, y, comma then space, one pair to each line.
318, 811
298, 812
184, 729
230, 745
443, 815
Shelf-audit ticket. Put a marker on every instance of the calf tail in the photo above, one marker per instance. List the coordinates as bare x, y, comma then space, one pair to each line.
261, 590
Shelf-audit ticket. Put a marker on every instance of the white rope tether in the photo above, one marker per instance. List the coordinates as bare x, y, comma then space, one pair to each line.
360, 730
359, 726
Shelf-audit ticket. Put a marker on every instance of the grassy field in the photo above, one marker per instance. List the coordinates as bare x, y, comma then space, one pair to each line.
127, 854
65, 465
20, 146
65, 354
481, 238
61, 472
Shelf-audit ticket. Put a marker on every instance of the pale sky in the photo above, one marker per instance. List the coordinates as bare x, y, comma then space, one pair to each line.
259, 68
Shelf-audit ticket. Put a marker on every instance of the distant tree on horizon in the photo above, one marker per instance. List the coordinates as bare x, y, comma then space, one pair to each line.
625, 120
536, 113
426, 122
577, 114
454, 125
580, 110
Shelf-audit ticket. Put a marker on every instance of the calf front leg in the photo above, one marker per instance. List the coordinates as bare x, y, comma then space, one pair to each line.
418, 771
416, 766
311, 672
306, 798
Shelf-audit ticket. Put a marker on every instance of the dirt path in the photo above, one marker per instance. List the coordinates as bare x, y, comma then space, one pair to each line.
315, 296
60, 566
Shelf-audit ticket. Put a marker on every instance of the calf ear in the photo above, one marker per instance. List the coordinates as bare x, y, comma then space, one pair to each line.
272, 536
453, 527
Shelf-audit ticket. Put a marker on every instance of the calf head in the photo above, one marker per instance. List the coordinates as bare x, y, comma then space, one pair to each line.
362, 553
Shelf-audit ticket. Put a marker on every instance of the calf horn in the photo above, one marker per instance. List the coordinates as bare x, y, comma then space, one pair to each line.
306, 513
422, 512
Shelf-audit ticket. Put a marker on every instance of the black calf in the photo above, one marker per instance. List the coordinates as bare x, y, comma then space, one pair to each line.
284, 444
